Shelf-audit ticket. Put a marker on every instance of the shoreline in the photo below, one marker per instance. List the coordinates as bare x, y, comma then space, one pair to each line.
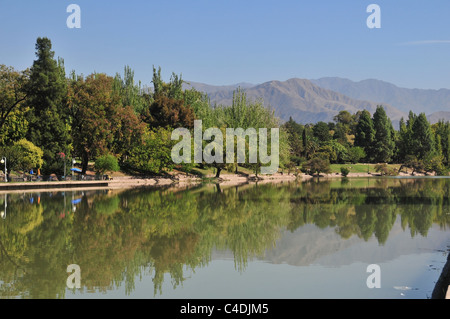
176, 181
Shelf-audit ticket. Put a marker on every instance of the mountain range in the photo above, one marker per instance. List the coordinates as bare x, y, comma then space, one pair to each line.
310, 101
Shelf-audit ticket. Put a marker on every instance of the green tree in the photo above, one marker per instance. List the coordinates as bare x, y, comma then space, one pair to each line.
355, 154
405, 139
247, 114
338, 152
317, 165
345, 171
442, 137
385, 169
411, 161
13, 93
173, 89
15, 126
167, 106
201, 106
169, 112
365, 134
106, 163
422, 137
346, 120
24, 155
131, 94
92, 104
154, 154
327, 152
295, 133
322, 132
101, 123
340, 134
128, 131
383, 149
48, 120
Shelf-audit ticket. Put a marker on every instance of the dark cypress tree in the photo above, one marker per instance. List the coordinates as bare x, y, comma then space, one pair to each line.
422, 137
365, 134
402, 150
304, 142
47, 99
384, 145
405, 147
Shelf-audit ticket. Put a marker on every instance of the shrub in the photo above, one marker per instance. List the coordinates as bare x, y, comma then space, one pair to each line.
344, 171
384, 169
355, 154
434, 164
106, 163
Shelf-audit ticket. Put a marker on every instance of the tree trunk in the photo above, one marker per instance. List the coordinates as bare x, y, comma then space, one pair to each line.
84, 162
218, 172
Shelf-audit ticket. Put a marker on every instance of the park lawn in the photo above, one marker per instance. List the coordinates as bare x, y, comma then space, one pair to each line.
358, 168
335, 168
209, 171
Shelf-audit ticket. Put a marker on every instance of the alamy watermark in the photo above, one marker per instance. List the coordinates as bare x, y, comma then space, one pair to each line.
374, 279
74, 19
213, 152
74, 279
374, 19
372, 22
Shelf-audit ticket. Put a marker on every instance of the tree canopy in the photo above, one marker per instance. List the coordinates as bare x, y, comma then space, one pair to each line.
88, 117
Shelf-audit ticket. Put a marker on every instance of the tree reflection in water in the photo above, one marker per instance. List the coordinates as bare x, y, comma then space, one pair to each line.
119, 236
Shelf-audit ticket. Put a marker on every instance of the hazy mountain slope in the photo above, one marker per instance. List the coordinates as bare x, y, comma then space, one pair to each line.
310, 245
215, 88
417, 100
300, 99
437, 116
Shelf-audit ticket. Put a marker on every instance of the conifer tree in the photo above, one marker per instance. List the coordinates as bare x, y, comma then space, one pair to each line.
383, 149
48, 117
442, 135
365, 134
422, 137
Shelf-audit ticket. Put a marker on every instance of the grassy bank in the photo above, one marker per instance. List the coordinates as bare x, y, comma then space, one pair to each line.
359, 168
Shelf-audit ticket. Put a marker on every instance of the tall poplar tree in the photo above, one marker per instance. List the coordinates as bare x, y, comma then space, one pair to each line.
131, 93
47, 90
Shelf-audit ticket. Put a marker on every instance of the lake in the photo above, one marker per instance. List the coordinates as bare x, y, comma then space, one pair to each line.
296, 240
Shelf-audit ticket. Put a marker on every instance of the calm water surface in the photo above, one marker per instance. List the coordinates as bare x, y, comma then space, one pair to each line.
296, 240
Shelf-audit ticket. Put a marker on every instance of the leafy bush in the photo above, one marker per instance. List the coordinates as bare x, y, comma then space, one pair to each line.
434, 164
355, 154
106, 163
344, 171
384, 169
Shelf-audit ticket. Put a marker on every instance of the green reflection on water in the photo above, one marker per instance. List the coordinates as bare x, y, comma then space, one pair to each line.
119, 236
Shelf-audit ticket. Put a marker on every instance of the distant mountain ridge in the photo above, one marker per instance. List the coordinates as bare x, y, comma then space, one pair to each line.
434, 103
300, 99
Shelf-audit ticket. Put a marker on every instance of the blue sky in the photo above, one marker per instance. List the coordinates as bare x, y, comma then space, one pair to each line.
224, 42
